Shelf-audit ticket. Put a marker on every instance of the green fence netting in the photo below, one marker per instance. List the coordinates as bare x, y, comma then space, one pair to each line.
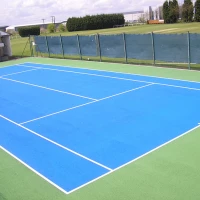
176, 48
195, 48
112, 46
171, 48
70, 45
41, 45
54, 44
88, 45
139, 46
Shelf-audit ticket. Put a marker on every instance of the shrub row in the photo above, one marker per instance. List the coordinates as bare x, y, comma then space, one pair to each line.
94, 22
29, 30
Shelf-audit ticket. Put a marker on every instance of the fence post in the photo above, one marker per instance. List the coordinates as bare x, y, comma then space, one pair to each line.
79, 48
153, 47
31, 47
61, 43
125, 52
47, 46
189, 53
99, 46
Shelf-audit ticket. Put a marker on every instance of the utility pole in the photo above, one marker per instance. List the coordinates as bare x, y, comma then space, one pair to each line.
53, 22
52, 17
43, 22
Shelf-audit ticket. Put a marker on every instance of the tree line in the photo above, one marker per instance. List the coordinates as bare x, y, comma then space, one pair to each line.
94, 22
188, 11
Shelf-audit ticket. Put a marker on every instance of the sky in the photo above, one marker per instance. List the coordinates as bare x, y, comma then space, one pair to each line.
19, 12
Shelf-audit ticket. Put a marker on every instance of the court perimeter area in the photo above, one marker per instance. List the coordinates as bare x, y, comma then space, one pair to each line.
88, 130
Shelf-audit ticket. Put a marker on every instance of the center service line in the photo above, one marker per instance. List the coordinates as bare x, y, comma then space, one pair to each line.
85, 104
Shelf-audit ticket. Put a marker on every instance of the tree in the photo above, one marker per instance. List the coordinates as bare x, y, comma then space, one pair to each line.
197, 11
166, 11
143, 18
173, 11
61, 28
176, 10
29, 30
51, 28
187, 12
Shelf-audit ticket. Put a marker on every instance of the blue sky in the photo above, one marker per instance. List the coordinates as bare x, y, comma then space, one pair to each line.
19, 12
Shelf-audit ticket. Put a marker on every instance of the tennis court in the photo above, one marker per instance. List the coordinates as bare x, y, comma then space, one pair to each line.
73, 126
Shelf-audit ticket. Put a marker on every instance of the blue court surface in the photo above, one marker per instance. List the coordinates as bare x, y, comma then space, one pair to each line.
72, 125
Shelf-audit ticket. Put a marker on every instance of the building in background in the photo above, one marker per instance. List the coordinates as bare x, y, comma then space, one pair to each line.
133, 16
3, 28
151, 13
12, 29
144, 16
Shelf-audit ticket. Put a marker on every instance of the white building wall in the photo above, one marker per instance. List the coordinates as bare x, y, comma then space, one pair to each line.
132, 17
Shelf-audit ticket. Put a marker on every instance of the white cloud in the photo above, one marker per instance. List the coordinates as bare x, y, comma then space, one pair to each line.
32, 11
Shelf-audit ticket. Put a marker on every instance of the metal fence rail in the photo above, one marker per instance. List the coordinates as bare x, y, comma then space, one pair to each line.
174, 48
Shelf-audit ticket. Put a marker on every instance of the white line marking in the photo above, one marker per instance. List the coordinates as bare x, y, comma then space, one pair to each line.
90, 69
33, 170
57, 144
176, 86
18, 72
89, 74
114, 63
113, 77
126, 91
14, 65
60, 91
58, 112
85, 104
134, 159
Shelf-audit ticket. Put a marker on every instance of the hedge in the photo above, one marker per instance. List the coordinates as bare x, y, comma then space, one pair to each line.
29, 30
94, 22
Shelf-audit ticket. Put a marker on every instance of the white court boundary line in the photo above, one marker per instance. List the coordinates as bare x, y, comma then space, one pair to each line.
133, 80
114, 170
89, 74
57, 144
129, 64
86, 104
18, 72
47, 88
14, 65
143, 155
90, 69
33, 170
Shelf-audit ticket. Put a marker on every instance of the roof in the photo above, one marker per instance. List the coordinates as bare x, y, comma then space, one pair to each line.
34, 24
3, 33
133, 12
3, 26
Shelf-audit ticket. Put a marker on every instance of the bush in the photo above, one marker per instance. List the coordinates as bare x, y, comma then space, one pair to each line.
29, 30
51, 28
94, 22
61, 28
